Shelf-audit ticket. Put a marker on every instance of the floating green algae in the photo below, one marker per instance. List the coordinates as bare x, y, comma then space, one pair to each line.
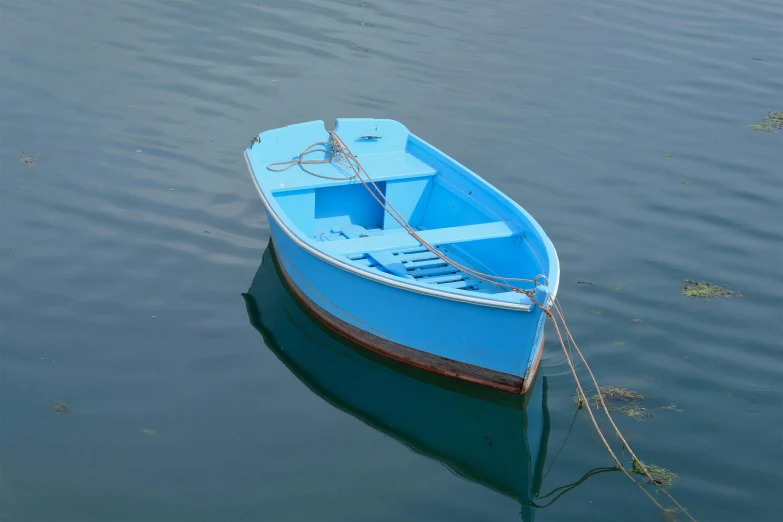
660, 476
775, 119
61, 407
619, 344
633, 411
705, 290
622, 401
29, 159
772, 121
148, 431
613, 392
685, 181
668, 156
638, 321
596, 312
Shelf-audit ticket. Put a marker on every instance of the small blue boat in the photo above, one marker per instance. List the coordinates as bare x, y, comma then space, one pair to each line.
403, 250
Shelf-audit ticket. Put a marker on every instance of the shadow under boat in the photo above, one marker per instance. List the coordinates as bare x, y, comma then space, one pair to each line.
489, 437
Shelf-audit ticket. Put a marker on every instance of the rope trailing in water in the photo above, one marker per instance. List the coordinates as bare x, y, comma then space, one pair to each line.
338, 152
561, 318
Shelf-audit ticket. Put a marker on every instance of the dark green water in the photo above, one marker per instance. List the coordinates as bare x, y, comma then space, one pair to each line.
122, 273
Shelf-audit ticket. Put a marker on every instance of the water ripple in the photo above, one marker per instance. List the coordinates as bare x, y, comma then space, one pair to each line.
621, 126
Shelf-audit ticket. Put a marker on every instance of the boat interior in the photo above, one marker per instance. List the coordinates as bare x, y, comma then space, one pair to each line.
448, 206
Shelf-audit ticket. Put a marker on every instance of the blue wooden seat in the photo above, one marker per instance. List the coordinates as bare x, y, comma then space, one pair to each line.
399, 238
381, 167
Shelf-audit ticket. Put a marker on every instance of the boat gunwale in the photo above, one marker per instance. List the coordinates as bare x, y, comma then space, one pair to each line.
398, 282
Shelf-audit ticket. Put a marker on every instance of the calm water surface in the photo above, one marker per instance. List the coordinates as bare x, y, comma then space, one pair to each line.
130, 230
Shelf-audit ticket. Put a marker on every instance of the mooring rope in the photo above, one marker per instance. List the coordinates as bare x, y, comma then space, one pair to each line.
338, 151
582, 394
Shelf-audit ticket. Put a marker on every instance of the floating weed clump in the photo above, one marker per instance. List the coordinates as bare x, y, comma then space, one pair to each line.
148, 431
596, 312
775, 118
704, 290
622, 401
61, 407
660, 476
619, 344
613, 392
638, 321
29, 159
638, 413
635, 412
685, 182
773, 121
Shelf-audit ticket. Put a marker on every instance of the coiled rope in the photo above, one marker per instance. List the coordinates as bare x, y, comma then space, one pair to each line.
337, 151
321, 146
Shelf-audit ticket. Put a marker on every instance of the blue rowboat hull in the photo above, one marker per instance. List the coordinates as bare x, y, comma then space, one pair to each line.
474, 343
371, 280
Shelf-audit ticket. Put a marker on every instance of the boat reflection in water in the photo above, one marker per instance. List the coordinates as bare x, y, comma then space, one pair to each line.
490, 437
